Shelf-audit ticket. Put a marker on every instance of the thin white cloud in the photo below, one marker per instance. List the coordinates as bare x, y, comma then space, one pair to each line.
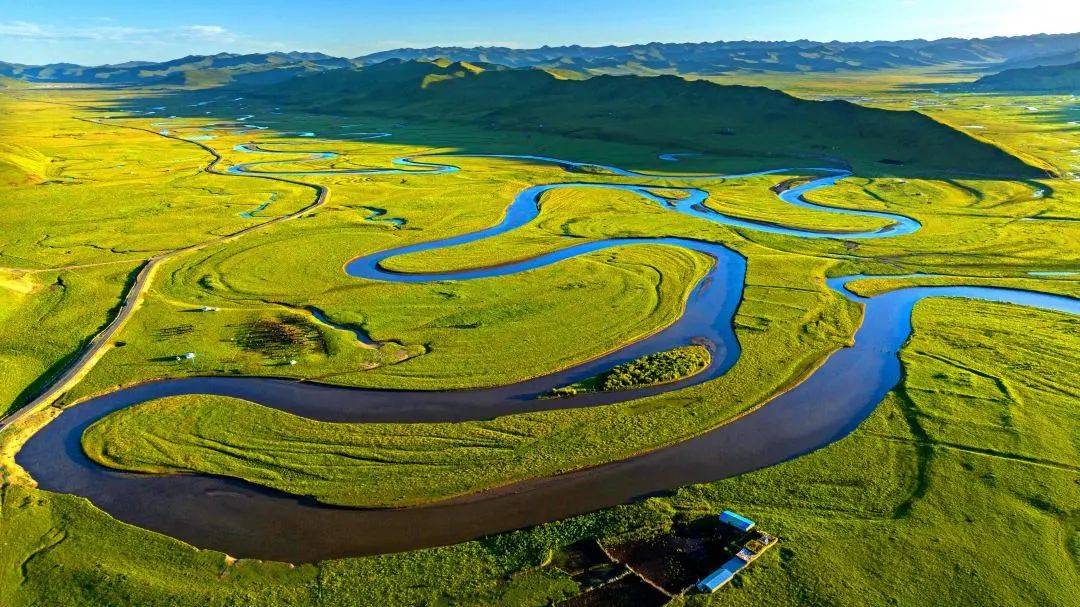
26, 30
206, 30
200, 34
21, 29
209, 32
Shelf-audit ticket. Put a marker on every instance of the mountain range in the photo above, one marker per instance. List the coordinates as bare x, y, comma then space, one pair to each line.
666, 112
190, 70
704, 58
1039, 79
710, 58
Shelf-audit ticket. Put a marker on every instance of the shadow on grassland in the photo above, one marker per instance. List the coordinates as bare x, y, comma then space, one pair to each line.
513, 108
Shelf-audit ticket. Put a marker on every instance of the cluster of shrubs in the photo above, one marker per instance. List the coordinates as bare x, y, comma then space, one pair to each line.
656, 368
659, 368
279, 336
565, 391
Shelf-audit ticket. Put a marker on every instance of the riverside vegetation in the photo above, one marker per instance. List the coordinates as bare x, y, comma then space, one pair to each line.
649, 370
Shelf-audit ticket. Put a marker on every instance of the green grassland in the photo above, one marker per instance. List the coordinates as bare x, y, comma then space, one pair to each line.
438, 326
785, 325
969, 228
962, 484
45, 315
295, 266
97, 193
743, 198
958, 488
83, 206
974, 475
208, 434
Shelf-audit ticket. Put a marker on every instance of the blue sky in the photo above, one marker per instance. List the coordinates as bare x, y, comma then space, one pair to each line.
100, 31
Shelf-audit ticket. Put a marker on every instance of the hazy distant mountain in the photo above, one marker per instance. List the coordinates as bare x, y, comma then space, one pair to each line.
1042, 79
1056, 59
719, 57
667, 112
203, 70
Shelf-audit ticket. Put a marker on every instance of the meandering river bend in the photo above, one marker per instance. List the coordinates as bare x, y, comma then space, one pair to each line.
249, 521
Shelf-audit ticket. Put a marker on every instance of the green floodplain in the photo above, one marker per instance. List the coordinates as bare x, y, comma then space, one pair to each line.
963, 486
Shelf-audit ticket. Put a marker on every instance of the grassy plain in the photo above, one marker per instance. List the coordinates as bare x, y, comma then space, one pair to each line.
45, 315
296, 266
971, 464
785, 325
83, 206
430, 330
960, 488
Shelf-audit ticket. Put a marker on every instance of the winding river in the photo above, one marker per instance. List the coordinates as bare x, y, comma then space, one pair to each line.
245, 520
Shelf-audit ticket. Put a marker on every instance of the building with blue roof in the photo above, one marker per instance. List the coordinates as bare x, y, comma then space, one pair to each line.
736, 520
721, 576
752, 546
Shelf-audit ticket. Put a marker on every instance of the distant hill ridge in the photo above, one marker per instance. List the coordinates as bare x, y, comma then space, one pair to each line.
1040, 79
667, 112
212, 69
703, 58
1041, 60
707, 58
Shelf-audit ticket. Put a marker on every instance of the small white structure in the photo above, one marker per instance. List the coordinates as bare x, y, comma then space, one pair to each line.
208, 309
292, 362
186, 356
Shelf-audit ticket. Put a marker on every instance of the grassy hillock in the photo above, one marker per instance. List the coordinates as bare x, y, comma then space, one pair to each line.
11, 83
665, 111
1043, 78
197, 78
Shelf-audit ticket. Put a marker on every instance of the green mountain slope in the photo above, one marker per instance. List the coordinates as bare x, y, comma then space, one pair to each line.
11, 83
1058, 59
666, 111
1047, 78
